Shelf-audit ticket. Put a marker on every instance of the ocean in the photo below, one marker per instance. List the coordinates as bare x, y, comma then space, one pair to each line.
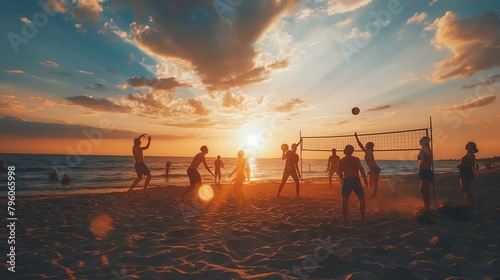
115, 173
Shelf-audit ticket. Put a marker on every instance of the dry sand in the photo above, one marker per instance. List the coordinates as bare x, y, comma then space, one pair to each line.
107, 236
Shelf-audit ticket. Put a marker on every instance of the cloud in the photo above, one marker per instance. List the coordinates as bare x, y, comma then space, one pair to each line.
13, 105
291, 105
279, 64
97, 86
474, 43
357, 33
15, 71
433, 2
480, 101
345, 6
98, 104
57, 6
49, 63
417, 18
113, 72
379, 108
64, 74
86, 72
220, 49
12, 126
343, 23
484, 82
388, 114
25, 20
156, 83
199, 107
88, 10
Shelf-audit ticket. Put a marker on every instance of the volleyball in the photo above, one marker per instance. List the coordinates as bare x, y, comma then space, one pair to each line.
284, 147
355, 111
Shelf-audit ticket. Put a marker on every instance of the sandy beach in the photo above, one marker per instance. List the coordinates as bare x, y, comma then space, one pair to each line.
107, 236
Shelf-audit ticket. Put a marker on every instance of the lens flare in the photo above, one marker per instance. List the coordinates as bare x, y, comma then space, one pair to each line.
205, 192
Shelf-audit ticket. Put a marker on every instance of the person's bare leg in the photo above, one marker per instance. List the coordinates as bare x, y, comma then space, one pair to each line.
136, 181
330, 175
283, 181
345, 200
188, 190
467, 193
146, 184
375, 184
362, 207
424, 189
297, 183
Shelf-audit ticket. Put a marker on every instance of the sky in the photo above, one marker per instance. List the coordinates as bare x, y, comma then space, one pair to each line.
88, 76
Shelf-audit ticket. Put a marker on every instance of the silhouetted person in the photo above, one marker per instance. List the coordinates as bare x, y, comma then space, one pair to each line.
192, 172
65, 180
372, 165
140, 166
291, 169
240, 170
425, 173
167, 168
349, 169
3, 166
218, 165
333, 166
467, 174
54, 175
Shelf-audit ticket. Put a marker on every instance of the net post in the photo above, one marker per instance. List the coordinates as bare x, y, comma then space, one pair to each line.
301, 159
432, 166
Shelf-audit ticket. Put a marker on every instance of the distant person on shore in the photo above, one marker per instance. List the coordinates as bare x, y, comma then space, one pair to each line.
374, 171
140, 166
467, 174
192, 172
425, 173
240, 170
167, 168
54, 175
65, 180
333, 166
3, 166
291, 169
349, 169
218, 165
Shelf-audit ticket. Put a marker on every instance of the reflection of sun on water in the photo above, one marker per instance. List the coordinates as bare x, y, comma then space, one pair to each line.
205, 192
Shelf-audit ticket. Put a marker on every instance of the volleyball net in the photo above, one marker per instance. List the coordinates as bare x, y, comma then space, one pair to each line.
405, 140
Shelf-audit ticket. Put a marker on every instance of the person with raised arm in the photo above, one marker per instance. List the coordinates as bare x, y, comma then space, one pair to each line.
192, 171
140, 167
291, 169
349, 169
374, 172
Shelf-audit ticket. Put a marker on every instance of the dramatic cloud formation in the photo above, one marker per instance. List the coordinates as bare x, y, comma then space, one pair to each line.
98, 104
88, 10
474, 42
156, 83
344, 6
291, 105
480, 101
49, 63
417, 18
220, 45
12, 126
484, 82
198, 106
379, 108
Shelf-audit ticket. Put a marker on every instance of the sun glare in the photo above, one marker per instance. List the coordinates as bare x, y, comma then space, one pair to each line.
253, 141
205, 192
